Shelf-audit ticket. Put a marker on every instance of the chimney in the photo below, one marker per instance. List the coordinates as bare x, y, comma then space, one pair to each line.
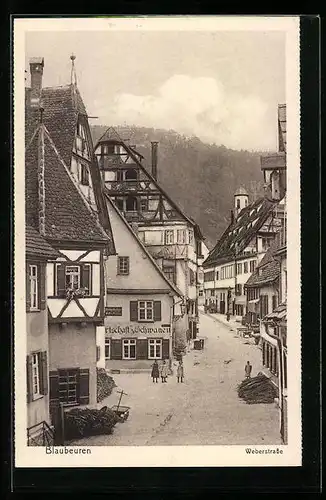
154, 159
232, 217
36, 65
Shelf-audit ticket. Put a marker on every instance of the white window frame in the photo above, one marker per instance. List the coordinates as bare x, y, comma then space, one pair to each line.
146, 306
181, 236
156, 344
36, 375
124, 270
72, 274
129, 343
169, 237
107, 344
33, 287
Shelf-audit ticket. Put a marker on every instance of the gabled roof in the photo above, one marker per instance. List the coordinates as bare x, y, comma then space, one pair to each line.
144, 249
268, 269
37, 246
237, 235
134, 155
68, 216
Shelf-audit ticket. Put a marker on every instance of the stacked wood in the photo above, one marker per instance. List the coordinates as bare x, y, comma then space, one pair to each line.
83, 422
105, 384
257, 390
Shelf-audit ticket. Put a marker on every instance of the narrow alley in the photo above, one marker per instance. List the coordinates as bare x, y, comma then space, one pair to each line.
205, 409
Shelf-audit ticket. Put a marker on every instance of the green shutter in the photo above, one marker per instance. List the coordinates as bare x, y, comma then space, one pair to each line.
29, 375
86, 278
116, 349
142, 349
28, 289
133, 310
61, 285
84, 386
157, 310
44, 373
41, 284
165, 349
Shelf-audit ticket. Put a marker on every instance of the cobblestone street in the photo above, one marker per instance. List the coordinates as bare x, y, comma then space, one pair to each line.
205, 409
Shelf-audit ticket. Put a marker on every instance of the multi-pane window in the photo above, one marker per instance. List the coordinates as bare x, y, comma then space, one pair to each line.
72, 277
201, 293
84, 175
68, 383
145, 310
169, 273
181, 236
107, 348
227, 272
245, 267
191, 237
239, 268
252, 293
144, 204
36, 374
252, 265
129, 349
123, 265
169, 237
154, 348
212, 292
209, 276
238, 289
33, 275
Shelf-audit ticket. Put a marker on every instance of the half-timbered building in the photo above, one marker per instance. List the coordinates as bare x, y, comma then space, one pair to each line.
239, 250
172, 238
65, 202
142, 305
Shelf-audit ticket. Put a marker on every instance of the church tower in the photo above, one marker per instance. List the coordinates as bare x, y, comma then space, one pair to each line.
241, 199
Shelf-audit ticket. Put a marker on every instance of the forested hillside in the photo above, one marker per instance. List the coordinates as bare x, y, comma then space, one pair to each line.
200, 177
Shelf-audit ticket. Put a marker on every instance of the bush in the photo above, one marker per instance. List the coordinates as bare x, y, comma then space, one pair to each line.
83, 422
105, 384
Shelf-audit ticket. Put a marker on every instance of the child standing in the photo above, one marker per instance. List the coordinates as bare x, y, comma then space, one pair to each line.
180, 372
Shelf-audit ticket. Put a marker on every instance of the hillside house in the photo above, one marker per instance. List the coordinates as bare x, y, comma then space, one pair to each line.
173, 239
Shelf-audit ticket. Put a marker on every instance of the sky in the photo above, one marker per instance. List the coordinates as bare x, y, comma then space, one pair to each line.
223, 87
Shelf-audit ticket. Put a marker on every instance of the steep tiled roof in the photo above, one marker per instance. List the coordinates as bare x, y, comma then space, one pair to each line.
268, 269
67, 214
37, 246
237, 235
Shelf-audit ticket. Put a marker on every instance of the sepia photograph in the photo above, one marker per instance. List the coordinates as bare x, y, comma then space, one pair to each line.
157, 241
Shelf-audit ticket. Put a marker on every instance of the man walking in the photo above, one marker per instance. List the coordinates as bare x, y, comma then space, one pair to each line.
248, 369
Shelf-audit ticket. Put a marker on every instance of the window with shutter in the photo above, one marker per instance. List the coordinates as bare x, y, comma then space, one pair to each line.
34, 286
43, 373
165, 349
157, 310
86, 278
116, 349
123, 265
42, 286
83, 386
133, 310
29, 378
54, 387
60, 281
28, 290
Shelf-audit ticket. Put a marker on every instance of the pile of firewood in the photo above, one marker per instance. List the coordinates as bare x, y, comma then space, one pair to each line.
256, 390
83, 422
105, 384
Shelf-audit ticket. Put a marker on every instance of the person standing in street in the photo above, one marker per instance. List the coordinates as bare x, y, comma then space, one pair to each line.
164, 371
155, 371
248, 369
180, 372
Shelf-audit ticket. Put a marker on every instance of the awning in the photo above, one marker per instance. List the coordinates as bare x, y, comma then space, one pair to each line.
268, 338
278, 314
